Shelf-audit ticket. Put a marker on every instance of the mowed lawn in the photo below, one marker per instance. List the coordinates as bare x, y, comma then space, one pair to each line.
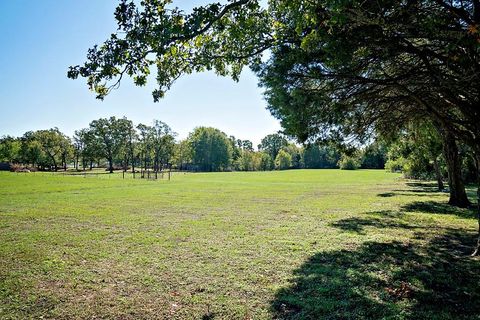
300, 244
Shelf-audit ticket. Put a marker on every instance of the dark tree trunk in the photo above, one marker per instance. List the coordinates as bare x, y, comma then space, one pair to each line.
133, 163
110, 165
91, 165
438, 174
54, 164
458, 196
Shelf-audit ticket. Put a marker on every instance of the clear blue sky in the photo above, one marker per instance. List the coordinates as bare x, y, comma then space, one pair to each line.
40, 39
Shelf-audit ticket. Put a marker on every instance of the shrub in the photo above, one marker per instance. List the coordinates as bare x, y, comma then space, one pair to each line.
349, 162
397, 165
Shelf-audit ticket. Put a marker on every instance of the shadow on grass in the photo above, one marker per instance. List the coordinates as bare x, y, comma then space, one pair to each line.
386, 280
358, 224
386, 194
377, 219
423, 186
438, 208
415, 189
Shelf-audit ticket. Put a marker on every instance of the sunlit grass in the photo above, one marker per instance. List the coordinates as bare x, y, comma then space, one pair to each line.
289, 244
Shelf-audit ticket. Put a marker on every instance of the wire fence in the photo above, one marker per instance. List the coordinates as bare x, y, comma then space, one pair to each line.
102, 174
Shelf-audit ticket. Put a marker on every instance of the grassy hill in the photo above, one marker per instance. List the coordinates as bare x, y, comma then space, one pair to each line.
300, 244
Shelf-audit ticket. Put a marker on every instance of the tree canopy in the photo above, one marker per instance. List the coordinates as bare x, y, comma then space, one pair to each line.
336, 69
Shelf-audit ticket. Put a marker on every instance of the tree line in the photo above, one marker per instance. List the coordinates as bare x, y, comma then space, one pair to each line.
118, 144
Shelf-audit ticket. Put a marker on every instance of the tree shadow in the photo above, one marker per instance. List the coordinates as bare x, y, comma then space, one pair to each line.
386, 280
425, 189
358, 224
418, 189
386, 194
438, 208
423, 186
383, 219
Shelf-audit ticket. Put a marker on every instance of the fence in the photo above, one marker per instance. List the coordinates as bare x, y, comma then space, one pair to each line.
101, 174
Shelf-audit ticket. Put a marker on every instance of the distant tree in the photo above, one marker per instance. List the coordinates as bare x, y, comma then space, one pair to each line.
10, 149
93, 147
429, 142
52, 143
283, 160
272, 144
126, 137
236, 145
266, 161
182, 154
66, 151
31, 151
211, 149
349, 162
78, 147
110, 136
145, 144
257, 160
247, 145
131, 144
374, 156
417, 152
163, 142
317, 156
246, 161
242, 154
296, 154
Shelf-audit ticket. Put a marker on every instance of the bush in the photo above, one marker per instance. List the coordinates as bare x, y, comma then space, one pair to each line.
397, 165
349, 162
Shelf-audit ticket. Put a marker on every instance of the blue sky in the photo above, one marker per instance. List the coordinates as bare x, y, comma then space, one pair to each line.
40, 39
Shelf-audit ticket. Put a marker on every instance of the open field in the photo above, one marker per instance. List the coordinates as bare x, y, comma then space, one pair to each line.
303, 244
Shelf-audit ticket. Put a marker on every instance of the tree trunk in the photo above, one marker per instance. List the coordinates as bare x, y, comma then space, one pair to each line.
54, 164
458, 196
110, 165
438, 174
133, 163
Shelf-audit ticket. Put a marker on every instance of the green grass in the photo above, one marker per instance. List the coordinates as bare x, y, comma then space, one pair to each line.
304, 244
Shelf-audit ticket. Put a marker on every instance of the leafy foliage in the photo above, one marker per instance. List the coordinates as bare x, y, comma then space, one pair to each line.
347, 162
283, 160
211, 149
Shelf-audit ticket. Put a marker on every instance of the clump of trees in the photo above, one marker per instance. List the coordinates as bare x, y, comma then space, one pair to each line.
45, 149
111, 142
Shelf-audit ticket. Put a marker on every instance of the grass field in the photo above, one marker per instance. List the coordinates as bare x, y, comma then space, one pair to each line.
303, 244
